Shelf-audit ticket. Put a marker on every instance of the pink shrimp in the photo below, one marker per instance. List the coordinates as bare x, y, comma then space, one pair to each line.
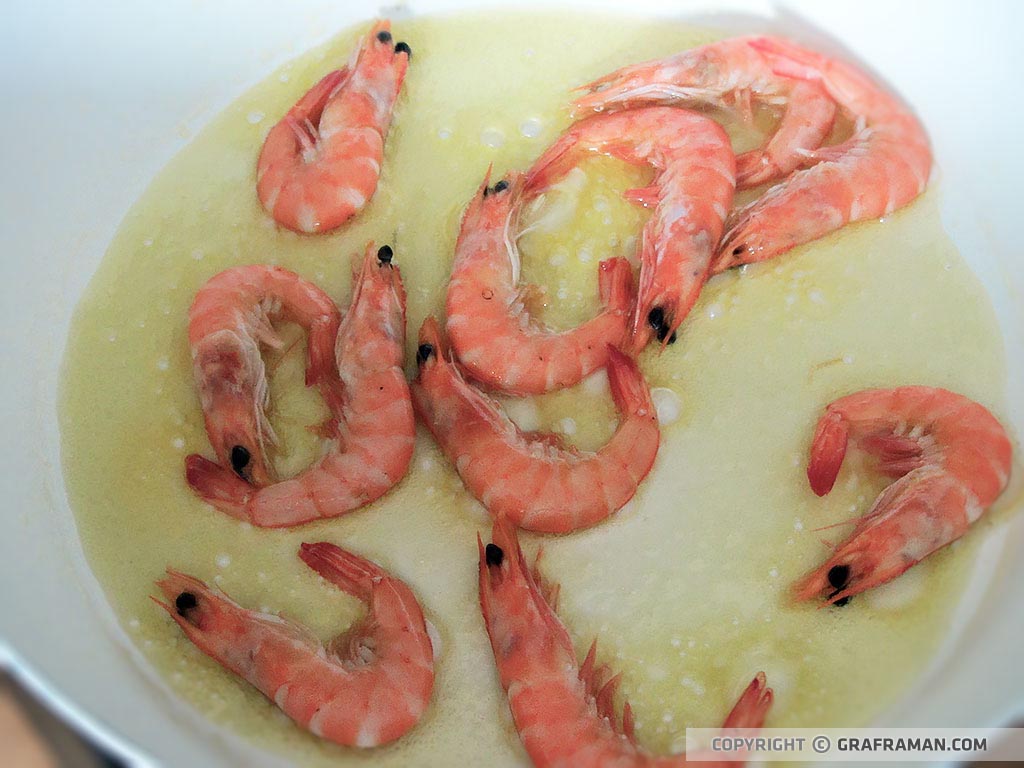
532, 478
321, 163
564, 712
368, 687
229, 319
691, 194
494, 338
882, 167
951, 460
728, 72
373, 418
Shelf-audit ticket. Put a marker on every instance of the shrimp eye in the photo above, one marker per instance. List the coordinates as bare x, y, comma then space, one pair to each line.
403, 48
501, 186
656, 319
384, 36
185, 602
423, 353
240, 457
384, 254
739, 249
839, 576
493, 555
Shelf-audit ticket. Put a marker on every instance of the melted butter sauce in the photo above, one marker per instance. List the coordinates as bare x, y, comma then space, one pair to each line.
687, 586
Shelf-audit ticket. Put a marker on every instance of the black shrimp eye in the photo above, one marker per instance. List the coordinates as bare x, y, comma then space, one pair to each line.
384, 36
240, 458
501, 186
839, 576
385, 254
185, 602
738, 249
404, 48
656, 318
493, 555
423, 353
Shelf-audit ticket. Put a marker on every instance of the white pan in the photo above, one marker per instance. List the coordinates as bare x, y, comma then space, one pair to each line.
97, 99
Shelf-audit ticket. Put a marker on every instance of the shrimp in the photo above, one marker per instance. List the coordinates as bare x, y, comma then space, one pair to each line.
321, 163
882, 167
563, 711
728, 72
951, 460
368, 687
493, 336
534, 479
691, 193
373, 423
229, 319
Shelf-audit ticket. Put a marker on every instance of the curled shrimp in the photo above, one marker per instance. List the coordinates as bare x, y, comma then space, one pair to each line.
373, 420
230, 317
693, 186
487, 323
950, 459
368, 687
564, 711
882, 167
725, 73
321, 163
532, 478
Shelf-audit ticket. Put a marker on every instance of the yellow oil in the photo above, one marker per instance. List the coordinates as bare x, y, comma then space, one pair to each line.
687, 586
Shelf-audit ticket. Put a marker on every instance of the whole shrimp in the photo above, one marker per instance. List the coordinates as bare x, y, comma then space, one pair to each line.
950, 458
532, 478
882, 167
564, 712
490, 330
373, 420
230, 317
693, 186
725, 73
321, 163
368, 687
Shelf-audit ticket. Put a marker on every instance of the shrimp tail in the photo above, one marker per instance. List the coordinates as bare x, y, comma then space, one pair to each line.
788, 60
218, 486
556, 160
615, 284
828, 450
629, 391
321, 368
347, 571
753, 705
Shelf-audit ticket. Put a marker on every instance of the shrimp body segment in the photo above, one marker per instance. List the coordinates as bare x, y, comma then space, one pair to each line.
722, 74
882, 167
533, 479
950, 459
229, 319
368, 687
495, 339
564, 711
373, 419
692, 191
321, 163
